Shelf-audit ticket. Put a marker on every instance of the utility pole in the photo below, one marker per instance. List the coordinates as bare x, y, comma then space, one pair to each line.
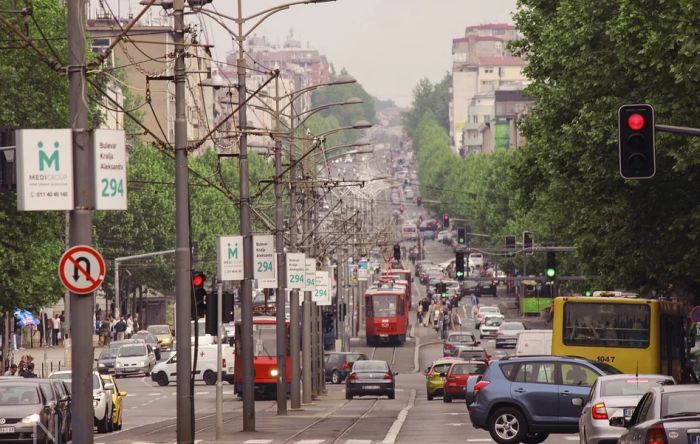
183, 252
281, 268
306, 349
81, 306
295, 336
247, 283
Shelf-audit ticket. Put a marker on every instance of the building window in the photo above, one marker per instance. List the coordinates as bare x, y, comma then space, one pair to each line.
487, 117
100, 44
488, 70
475, 119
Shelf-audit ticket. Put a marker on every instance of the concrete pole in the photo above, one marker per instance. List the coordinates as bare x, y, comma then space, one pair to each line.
248, 372
281, 269
306, 331
219, 358
295, 334
82, 306
183, 253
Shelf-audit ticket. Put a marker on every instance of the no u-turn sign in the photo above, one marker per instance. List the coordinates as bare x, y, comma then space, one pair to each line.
81, 269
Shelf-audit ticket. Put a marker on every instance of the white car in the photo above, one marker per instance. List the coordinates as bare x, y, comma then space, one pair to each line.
490, 324
101, 399
507, 334
483, 311
165, 372
133, 359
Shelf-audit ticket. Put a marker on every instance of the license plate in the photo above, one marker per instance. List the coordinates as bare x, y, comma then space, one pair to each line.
627, 412
7, 429
372, 387
694, 439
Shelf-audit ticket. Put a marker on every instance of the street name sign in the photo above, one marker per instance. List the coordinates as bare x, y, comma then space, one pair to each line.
322, 294
229, 258
109, 167
81, 269
44, 160
264, 257
296, 270
363, 269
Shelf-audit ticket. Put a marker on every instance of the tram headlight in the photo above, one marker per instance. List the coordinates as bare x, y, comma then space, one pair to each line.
274, 372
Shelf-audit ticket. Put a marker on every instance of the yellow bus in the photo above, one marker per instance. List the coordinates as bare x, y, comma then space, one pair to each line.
632, 334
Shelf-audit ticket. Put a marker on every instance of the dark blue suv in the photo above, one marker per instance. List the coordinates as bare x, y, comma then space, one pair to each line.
525, 398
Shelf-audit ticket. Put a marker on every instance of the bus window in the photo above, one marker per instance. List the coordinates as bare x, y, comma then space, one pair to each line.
606, 325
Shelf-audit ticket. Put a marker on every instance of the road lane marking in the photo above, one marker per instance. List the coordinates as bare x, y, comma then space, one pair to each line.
395, 429
257, 441
572, 438
479, 440
358, 441
310, 441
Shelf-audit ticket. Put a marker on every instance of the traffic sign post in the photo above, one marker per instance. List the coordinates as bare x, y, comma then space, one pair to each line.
81, 269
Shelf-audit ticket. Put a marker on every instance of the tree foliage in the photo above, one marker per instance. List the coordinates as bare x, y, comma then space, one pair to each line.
428, 98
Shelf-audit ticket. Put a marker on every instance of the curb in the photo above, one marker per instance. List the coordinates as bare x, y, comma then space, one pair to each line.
416, 353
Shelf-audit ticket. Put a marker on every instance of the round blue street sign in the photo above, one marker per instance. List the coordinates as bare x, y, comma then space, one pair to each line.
695, 314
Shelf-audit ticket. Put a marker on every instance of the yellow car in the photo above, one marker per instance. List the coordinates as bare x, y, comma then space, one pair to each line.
435, 376
117, 397
163, 334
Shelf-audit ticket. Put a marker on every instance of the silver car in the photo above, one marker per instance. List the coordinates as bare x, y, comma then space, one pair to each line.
666, 414
507, 334
613, 396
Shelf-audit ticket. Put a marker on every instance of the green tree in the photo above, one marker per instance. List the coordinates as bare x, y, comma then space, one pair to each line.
428, 98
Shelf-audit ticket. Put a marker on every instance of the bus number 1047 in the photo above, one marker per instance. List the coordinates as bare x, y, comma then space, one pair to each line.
605, 359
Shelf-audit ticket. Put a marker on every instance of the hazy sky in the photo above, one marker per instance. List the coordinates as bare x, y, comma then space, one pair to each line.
388, 45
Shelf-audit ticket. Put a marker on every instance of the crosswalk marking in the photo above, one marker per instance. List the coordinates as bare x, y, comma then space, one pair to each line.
257, 441
479, 440
358, 441
572, 438
310, 441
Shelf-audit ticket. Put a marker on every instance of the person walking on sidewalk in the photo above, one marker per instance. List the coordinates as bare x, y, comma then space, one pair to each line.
56, 328
120, 328
12, 371
456, 320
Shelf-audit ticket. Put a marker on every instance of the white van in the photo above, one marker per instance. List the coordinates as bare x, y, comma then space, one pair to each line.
534, 342
165, 372
409, 232
475, 261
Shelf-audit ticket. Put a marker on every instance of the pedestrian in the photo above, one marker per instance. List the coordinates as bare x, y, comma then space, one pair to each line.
456, 320
12, 371
137, 324
104, 332
56, 329
28, 372
420, 313
129, 326
49, 331
426, 310
120, 328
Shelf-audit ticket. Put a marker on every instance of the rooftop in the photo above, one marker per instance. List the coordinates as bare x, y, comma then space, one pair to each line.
501, 61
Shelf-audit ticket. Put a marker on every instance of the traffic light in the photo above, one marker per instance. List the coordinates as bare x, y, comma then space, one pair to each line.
527, 242
551, 270
199, 295
461, 236
446, 220
397, 252
510, 246
637, 141
588, 293
459, 266
441, 289
210, 324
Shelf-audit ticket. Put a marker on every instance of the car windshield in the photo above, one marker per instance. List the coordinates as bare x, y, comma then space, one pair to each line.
631, 386
512, 326
680, 403
493, 322
461, 338
149, 339
159, 329
19, 395
128, 351
606, 368
370, 366
108, 353
489, 310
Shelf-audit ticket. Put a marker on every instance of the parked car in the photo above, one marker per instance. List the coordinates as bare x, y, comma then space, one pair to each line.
525, 398
370, 377
106, 360
164, 335
456, 338
483, 311
611, 397
150, 339
58, 400
117, 397
435, 376
665, 414
133, 359
507, 334
490, 324
102, 399
337, 365
25, 410
456, 378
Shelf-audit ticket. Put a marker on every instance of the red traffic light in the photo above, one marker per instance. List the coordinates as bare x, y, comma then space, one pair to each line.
198, 279
636, 122
446, 216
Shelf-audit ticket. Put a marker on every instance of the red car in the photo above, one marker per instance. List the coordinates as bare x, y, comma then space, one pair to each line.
457, 375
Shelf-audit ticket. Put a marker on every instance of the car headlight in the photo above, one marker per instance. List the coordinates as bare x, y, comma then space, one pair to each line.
142, 363
31, 419
274, 372
119, 364
100, 365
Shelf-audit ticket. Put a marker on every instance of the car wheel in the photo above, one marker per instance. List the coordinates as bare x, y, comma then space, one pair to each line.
446, 398
392, 395
507, 426
335, 377
103, 424
158, 355
348, 395
209, 377
430, 396
535, 438
110, 424
162, 379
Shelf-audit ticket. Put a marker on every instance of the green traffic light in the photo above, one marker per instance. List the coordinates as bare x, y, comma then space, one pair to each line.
588, 293
551, 272
461, 241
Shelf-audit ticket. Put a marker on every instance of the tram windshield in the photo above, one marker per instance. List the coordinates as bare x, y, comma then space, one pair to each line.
264, 340
384, 306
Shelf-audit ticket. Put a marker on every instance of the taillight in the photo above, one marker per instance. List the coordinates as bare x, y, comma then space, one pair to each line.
479, 385
223, 363
353, 376
449, 346
599, 411
346, 366
656, 435
498, 333
388, 376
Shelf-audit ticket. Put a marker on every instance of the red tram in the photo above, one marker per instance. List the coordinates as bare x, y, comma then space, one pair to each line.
264, 357
402, 276
386, 311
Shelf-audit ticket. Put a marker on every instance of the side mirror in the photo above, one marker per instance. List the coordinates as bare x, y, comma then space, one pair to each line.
122, 394
443, 374
577, 401
109, 386
396, 373
477, 342
619, 421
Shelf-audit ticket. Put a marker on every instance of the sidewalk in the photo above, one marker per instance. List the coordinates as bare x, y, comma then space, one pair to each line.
50, 359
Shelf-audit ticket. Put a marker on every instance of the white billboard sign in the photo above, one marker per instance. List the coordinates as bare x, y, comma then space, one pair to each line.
322, 294
264, 257
310, 275
109, 167
229, 258
296, 270
44, 160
